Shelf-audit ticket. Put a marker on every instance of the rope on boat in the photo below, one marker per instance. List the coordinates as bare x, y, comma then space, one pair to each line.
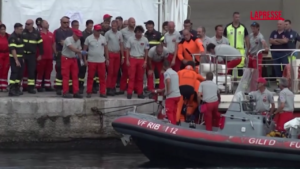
119, 108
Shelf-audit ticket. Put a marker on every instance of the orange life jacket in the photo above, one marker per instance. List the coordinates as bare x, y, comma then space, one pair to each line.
187, 82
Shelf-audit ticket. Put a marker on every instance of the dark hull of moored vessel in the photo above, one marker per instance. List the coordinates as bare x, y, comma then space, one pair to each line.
162, 141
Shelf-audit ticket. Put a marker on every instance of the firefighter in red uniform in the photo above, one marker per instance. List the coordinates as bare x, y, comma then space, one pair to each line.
127, 32
96, 60
71, 49
137, 52
4, 58
114, 40
45, 63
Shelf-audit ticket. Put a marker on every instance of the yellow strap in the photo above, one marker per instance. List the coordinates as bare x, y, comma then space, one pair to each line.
154, 42
32, 41
15, 45
10, 55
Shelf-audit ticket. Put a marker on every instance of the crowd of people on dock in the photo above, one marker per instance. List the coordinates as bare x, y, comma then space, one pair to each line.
117, 52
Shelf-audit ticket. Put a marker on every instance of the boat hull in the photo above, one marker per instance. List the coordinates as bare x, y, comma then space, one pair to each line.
157, 147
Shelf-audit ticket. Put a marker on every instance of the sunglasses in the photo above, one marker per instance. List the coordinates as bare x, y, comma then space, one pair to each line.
66, 22
28, 24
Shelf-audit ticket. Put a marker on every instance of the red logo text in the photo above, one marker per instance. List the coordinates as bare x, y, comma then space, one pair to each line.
266, 15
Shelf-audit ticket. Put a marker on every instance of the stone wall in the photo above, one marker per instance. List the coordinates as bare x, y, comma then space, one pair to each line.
57, 119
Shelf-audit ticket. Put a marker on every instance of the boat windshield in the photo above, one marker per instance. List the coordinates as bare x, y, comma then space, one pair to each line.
247, 84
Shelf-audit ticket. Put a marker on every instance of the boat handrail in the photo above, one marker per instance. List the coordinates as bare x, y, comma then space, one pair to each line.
293, 78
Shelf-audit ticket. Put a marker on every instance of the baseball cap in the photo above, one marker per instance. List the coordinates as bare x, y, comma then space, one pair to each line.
97, 27
106, 16
77, 32
255, 24
261, 80
150, 22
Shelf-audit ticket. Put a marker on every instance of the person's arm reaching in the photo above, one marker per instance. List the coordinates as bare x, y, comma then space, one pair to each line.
180, 52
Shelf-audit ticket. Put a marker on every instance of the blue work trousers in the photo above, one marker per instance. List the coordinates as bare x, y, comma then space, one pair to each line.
279, 58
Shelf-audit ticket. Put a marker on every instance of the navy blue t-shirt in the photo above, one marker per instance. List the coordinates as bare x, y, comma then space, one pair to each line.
276, 35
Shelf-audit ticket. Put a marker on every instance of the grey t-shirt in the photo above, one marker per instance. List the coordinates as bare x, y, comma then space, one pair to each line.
126, 34
171, 40
227, 50
209, 91
216, 41
256, 43
287, 97
113, 40
263, 100
96, 48
137, 46
174, 83
68, 52
155, 57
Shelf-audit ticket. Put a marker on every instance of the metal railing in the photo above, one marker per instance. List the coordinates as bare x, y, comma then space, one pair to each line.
216, 67
293, 78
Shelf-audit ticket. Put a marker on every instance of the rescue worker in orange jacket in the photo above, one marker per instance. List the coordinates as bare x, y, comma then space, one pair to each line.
188, 86
189, 45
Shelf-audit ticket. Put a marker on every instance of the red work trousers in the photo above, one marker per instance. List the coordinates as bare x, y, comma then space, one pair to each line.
171, 108
150, 83
252, 63
69, 66
177, 65
4, 68
211, 115
44, 69
136, 75
281, 119
100, 68
232, 64
124, 77
113, 69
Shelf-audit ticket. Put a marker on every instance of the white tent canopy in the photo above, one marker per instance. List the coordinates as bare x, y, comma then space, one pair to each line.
52, 10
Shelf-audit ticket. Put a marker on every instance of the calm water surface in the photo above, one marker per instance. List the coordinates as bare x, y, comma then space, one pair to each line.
71, 159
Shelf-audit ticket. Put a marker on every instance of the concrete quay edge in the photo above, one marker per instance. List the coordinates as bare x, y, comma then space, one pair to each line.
27, 119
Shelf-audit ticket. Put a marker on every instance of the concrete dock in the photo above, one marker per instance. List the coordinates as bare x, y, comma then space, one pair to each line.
47, 117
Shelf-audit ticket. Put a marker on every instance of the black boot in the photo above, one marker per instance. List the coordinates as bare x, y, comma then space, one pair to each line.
12, 90
31, 89
40, 90
49, 89
58, 90
67, 96
18, 89
81, 87
108, 90
113, 91
77, 95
